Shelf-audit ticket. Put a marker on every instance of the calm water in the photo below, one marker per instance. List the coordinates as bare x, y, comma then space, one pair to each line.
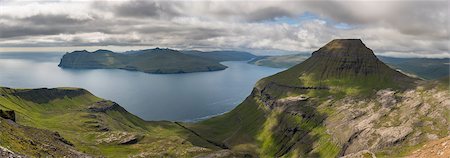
180, 97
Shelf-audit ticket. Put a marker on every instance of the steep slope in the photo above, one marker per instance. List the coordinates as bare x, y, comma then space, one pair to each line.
222, 55
73, 122
340, 101
149, 61
33, 142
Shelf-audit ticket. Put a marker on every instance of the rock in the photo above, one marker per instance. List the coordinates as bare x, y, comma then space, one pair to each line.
360, 154
103, 106
386, 97
225, 154
8, 114
117, 137
6, 153
292, 99
392, 135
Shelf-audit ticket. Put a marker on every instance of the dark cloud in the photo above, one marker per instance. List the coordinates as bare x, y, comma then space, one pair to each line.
51, 19
139, 9
8, 31
269, 13
428, 19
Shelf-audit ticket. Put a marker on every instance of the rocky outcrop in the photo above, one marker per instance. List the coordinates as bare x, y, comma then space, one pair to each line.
8, 114
117, 137
390, 119
6, 153
360, 154
225, 154
45, 95
34, 142
103, 106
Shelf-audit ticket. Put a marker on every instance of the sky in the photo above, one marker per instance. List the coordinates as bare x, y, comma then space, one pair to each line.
390, 28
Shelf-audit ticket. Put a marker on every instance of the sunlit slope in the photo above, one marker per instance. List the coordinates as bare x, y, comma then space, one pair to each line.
94, 126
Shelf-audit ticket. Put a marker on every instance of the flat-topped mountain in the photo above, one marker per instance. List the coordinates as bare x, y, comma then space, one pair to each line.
157, 60
345, 65
342, 101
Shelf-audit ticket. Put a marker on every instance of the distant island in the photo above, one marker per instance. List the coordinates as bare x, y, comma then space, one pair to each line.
158, 61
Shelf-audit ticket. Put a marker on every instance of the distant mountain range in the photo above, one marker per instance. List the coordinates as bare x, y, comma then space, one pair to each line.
160, 61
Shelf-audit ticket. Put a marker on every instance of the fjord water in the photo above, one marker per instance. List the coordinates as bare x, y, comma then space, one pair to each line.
180, 97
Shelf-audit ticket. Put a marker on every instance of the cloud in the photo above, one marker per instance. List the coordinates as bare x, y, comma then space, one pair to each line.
414, 28
49, 19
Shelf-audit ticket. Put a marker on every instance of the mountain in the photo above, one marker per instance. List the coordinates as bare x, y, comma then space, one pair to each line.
342, 101
426, 68
161, 61
222, 55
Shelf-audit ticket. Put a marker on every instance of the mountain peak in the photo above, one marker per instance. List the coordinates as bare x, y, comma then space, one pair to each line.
345, 48
342, 61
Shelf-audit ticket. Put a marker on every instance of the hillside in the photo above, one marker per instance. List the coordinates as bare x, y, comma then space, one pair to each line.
426, 68
221, 55
72, 122
160, 61
340, 101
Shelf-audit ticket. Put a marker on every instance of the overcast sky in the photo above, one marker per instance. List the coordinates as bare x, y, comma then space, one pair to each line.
399, 28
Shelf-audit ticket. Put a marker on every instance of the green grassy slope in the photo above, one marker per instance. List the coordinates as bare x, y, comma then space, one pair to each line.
149, 61
94, 126
307, 110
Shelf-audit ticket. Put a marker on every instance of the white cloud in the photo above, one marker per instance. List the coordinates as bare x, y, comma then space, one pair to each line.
400, 28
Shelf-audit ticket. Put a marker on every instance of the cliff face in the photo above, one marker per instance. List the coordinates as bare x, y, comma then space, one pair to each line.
149, 61
340, 101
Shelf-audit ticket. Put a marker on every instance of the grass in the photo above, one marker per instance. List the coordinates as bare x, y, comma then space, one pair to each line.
70, 117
